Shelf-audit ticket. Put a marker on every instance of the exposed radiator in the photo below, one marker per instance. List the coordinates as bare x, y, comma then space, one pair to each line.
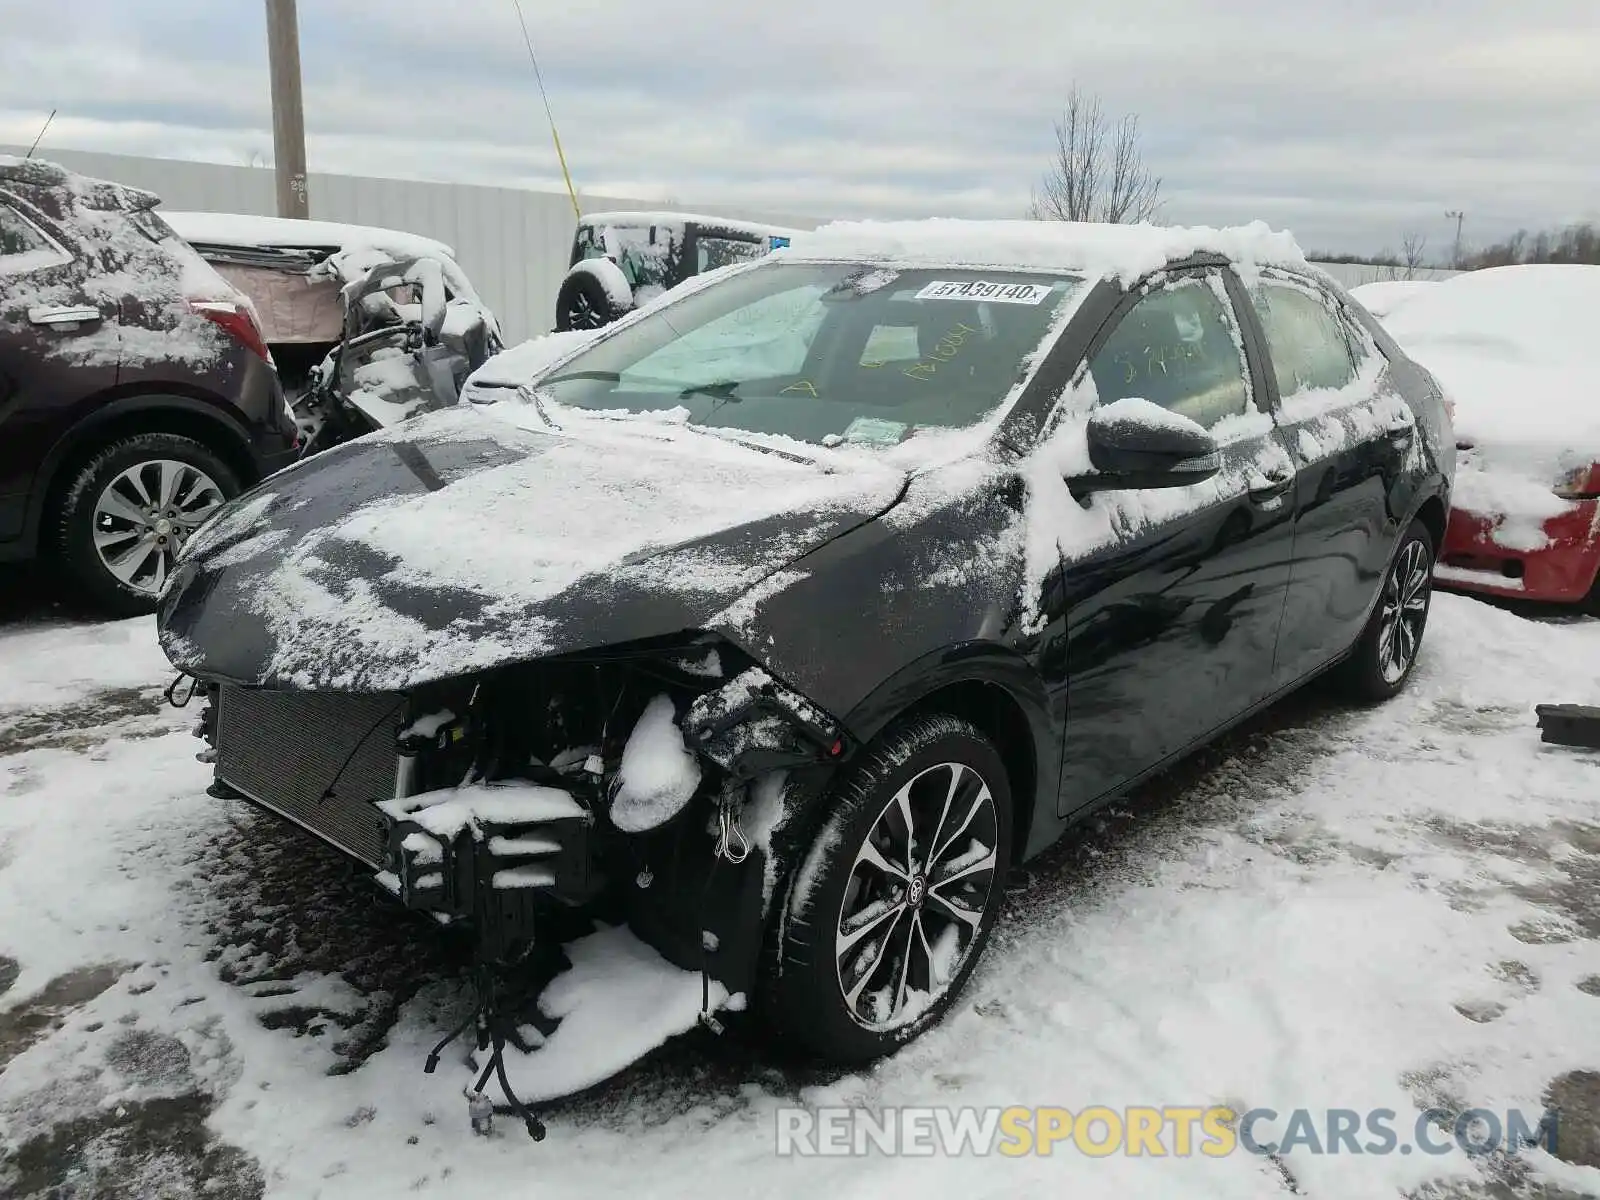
285, 750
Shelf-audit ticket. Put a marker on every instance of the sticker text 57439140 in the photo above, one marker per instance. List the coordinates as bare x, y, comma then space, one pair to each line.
981, 289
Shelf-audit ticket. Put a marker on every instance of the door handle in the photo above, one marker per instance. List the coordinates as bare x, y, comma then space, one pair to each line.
1271, 485
56, 314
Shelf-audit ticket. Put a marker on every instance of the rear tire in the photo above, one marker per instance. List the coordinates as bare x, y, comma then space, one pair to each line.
1383, 659
105, 526
866, 954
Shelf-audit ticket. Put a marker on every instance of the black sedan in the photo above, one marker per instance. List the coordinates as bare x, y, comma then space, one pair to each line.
783, 617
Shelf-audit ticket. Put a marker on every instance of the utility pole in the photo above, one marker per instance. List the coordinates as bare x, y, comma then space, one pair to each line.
288, 117
1457, 216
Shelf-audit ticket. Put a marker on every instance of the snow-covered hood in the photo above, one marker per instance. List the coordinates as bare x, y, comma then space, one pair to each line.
459, 541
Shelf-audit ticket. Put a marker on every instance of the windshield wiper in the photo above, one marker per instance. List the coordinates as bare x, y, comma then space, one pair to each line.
717, 391
607, 376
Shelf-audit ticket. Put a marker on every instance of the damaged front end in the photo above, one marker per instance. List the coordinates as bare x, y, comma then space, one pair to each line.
654, 785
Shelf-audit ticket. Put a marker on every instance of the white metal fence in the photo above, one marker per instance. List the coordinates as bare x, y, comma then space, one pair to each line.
513, 243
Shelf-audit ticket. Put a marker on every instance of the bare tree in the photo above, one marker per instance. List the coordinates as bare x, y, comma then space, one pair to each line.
1098, 172
1412, 246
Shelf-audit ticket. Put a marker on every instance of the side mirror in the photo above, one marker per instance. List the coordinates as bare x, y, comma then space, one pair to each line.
1136, 444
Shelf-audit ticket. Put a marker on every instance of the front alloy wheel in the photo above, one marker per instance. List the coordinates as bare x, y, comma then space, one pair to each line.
1382, 661
892, 903
917, 891
1402, 612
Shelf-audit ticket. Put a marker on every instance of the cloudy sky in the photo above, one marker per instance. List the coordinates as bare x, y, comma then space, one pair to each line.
1351, 122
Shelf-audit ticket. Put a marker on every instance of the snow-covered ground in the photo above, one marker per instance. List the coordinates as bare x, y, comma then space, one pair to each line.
1387, 908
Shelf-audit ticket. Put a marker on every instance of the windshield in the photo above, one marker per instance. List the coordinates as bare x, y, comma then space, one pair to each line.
825, 352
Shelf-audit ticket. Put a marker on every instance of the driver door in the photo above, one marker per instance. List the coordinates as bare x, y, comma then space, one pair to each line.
1172, 620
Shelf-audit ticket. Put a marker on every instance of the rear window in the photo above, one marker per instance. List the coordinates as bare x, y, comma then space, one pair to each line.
23, 246
713, 252
152, 226
825, 352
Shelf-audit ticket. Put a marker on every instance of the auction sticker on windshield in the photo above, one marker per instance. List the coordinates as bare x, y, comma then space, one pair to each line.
980, 289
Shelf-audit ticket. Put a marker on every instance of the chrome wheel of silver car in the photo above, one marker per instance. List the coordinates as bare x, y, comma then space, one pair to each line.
1403, 611
917, 892
144, 515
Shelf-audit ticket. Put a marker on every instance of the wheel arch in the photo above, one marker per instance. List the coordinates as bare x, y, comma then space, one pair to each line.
155, 411
1435, 517
1002, 695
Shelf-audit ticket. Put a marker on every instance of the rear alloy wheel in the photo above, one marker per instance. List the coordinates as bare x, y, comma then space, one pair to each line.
1384, 657
129, 511
891, 907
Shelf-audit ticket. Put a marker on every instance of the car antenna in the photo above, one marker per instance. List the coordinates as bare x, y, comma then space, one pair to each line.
40, 138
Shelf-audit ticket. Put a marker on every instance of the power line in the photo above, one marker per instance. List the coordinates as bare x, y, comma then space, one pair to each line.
538, 76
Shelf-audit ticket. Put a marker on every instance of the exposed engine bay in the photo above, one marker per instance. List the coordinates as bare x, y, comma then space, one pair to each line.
649, 786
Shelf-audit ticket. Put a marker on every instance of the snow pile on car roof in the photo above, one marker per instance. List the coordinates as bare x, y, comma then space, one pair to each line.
1515, 347
732, 225
1512, 347
1123, 252
244, 229
1384, 296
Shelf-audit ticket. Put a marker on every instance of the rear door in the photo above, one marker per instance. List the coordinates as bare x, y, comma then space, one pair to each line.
1350, 433
57, 345
1172, 627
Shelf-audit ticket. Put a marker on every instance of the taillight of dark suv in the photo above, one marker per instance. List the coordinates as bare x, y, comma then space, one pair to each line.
235, 320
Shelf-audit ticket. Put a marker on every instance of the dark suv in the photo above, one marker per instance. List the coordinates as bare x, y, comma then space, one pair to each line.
136, 392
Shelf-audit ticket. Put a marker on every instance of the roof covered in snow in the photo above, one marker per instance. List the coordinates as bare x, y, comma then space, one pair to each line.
1383, 296
753, 228
1095, 249
88, 191
241, 229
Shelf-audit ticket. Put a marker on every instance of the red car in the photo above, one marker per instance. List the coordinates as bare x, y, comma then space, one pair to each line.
1512, 346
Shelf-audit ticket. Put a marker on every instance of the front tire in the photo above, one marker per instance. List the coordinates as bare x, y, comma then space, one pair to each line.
888, 911
129, 509
1382, 660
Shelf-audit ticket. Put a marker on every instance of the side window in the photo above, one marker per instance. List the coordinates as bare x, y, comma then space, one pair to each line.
22, 247
714, 252
1309, 344
1178, 347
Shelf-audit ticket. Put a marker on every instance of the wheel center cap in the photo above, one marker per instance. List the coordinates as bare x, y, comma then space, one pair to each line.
917, 891
163, 527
